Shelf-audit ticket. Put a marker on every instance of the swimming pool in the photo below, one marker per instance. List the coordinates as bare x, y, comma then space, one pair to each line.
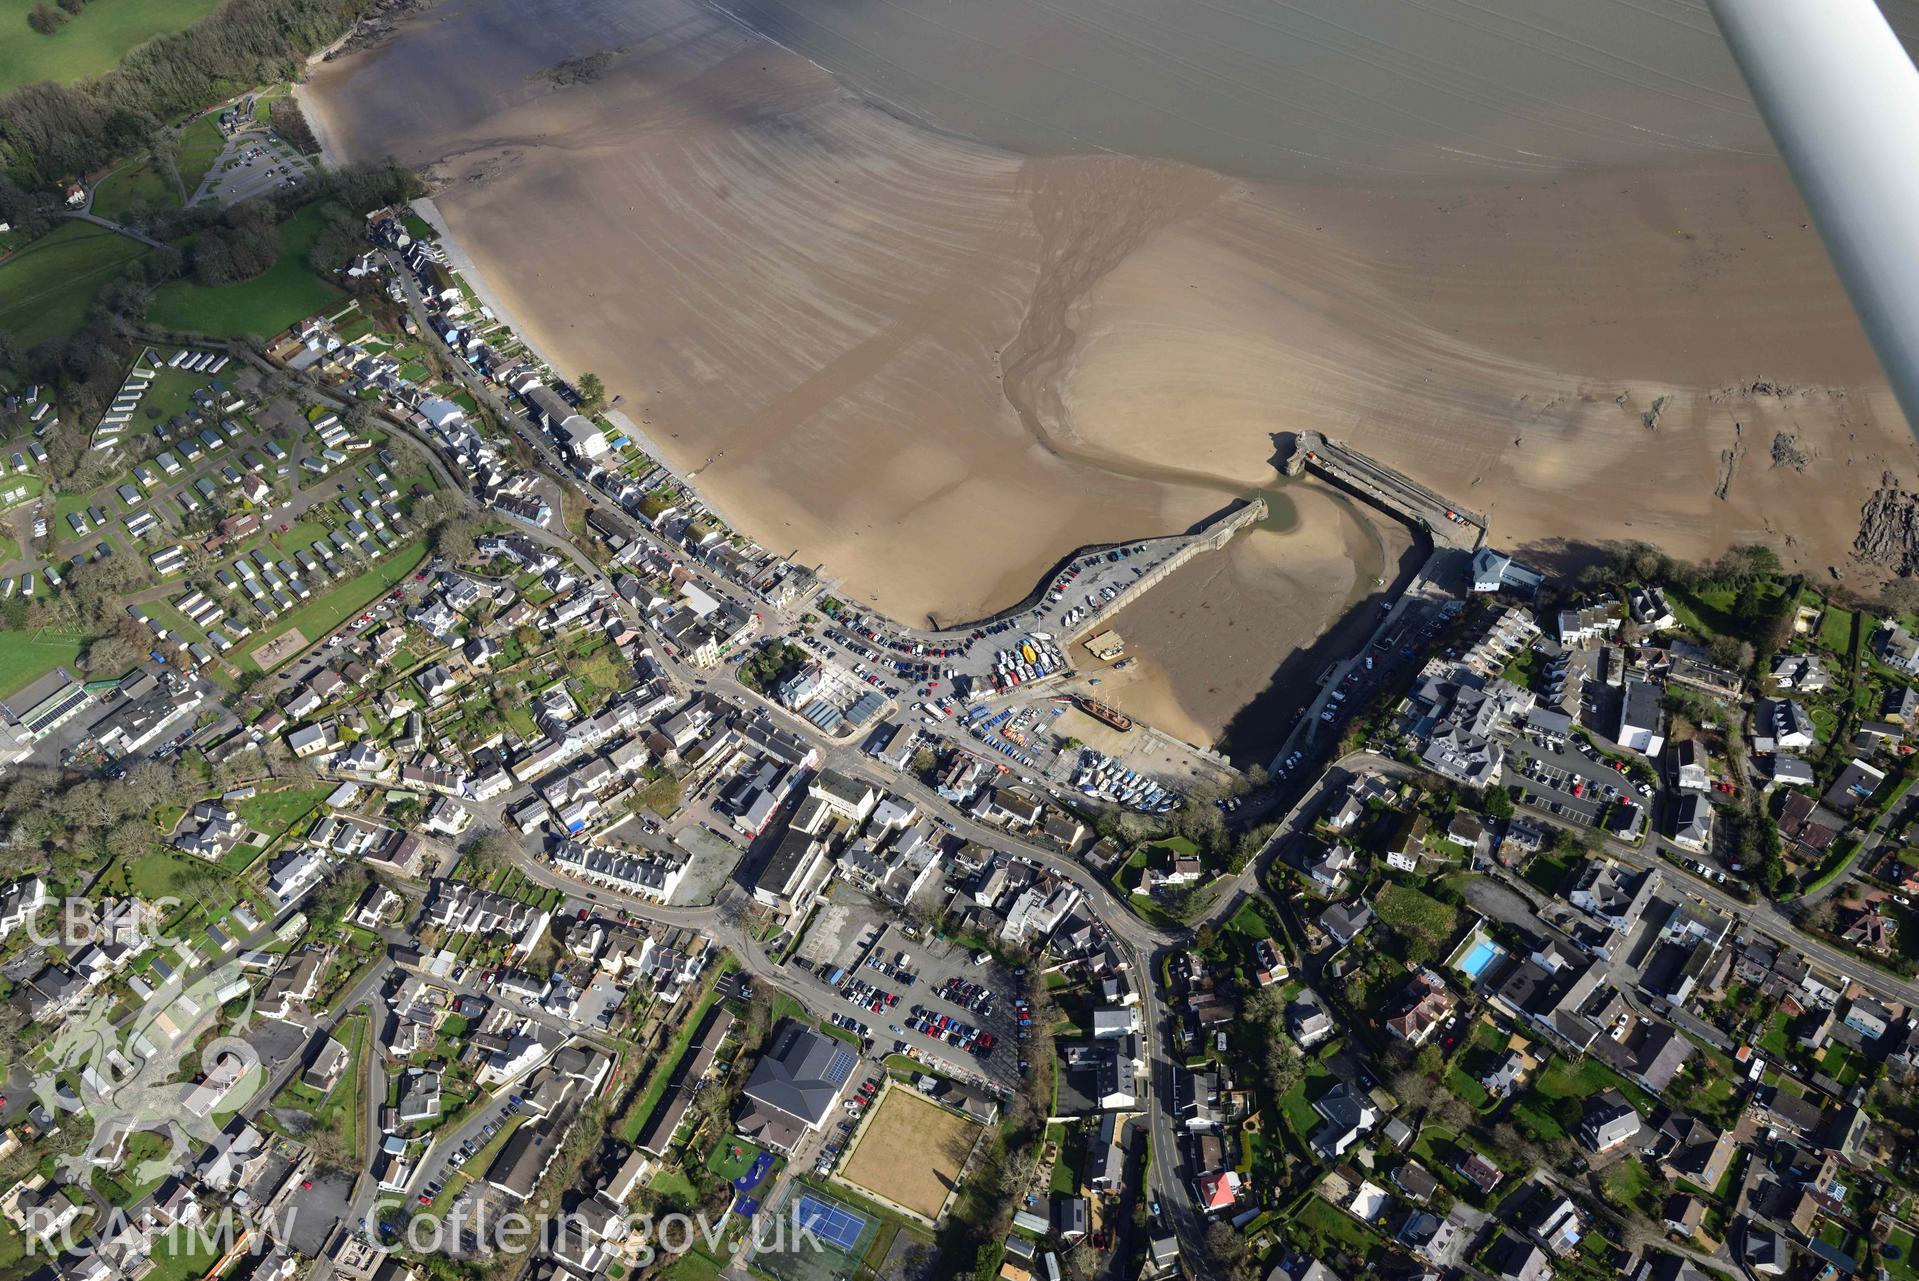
1483, 953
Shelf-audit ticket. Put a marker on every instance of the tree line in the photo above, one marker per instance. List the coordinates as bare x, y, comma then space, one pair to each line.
50, 131
66, 829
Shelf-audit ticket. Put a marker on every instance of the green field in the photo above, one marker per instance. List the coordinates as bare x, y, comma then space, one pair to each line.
1713, 611
331, 608
14, 484
182, 1253
134, 180
200, 144
258, 308
90, 44
1416, 917
275, 812
46, 288
158, 874
27, 656
1835, 630
1322, 1221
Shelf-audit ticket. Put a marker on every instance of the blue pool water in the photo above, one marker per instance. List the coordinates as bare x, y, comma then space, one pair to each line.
1480, 957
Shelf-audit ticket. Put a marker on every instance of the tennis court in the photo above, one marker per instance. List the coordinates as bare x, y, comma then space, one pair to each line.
835, 1244
831, 1223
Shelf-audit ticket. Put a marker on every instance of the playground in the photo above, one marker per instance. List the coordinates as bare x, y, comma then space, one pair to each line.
746, 1166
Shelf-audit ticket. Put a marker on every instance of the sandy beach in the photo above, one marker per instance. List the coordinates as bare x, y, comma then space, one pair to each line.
936, 363
1214, 651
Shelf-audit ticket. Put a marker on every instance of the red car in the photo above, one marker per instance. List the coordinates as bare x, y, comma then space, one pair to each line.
306, 1185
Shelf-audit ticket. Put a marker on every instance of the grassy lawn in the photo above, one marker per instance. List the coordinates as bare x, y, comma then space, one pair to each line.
343, 1110
1065, 1177
1580, 1080
88, 45
1630, 1183
134, 181
46, 288
27, 656
693, 1266
1296, 1105
257, 308
1418, 918
674, 1183
1467, 1088
340, 1108
181, 1255
1545, 1122
1549, 871
1900, 1239
13, 1250
1712, 612
1324, 1221
330, 608
158, 874
119, 1187
1253, 922
170, 393
17, 489
200, 145
722, 1161
274, 812
1775, 1043
1835, 630
239, 858
1840, 1063
1153, 914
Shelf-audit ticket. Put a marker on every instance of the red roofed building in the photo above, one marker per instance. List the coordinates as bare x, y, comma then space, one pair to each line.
1218, 1190
1270, 966
1480, 1172
1427, 1004
240, 524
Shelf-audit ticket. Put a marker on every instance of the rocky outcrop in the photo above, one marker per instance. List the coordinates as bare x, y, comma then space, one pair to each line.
1889, 528
1787, 453
378, 20
1729, 462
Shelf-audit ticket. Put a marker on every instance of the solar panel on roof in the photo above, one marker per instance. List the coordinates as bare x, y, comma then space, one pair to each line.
840, 1066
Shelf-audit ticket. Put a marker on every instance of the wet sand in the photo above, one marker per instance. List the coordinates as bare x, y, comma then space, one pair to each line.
936, 364
1206, 642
